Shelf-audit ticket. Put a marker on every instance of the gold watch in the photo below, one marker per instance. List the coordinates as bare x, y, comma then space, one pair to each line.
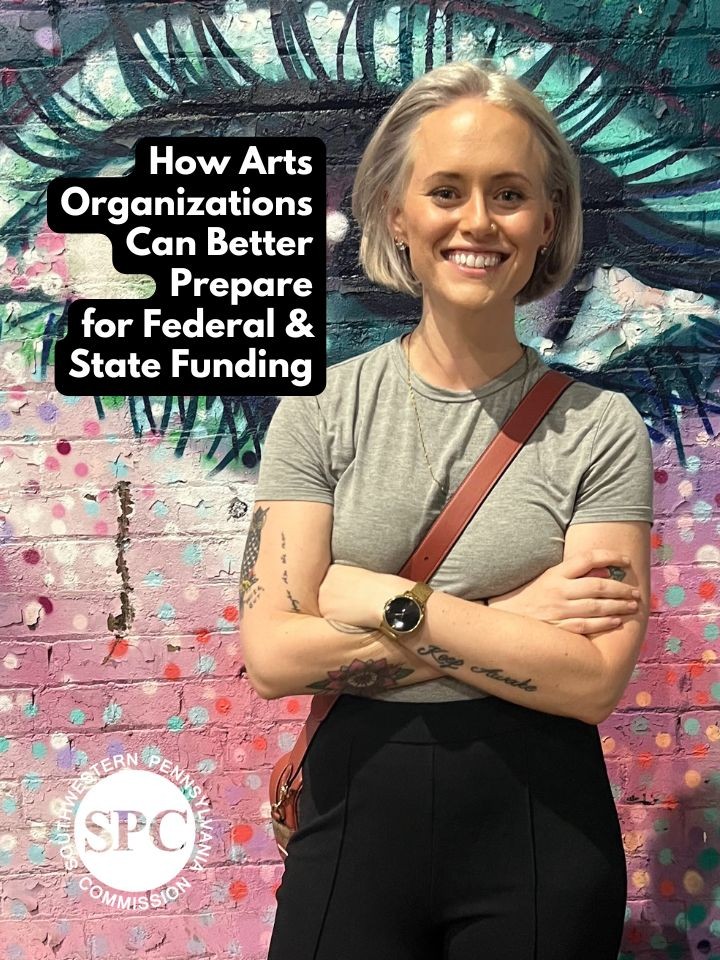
404, 613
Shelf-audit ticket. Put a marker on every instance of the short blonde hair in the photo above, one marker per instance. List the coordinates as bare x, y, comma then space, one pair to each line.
385, 168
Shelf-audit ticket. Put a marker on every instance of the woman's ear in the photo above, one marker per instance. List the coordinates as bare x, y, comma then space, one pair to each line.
396, 222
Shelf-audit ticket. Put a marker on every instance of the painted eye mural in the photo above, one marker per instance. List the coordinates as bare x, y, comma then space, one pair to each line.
633, 86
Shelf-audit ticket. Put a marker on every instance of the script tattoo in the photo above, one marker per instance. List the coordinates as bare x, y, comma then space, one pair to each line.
250, 587
440, 656
446, 661
283, 556
361, 677
494, 673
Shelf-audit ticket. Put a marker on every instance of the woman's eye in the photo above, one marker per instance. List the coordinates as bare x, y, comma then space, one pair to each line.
449, 190
443, 190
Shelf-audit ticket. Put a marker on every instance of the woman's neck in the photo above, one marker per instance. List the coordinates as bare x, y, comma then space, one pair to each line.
448, 359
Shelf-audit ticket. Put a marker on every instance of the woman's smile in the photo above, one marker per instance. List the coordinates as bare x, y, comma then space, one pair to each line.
475, 267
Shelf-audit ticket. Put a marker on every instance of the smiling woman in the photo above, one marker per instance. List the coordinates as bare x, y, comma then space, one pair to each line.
467, 197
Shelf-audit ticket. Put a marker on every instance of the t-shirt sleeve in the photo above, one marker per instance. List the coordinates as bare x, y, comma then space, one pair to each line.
294, 462
618, 481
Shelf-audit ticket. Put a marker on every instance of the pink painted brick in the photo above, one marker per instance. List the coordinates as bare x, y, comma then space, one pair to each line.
651, 918
699, 734
204, 610
23, 616
675, 637
693, 780
32, 854
35, 516
43, 896
44, 939
145, 657
75, 706
648, 829
629, 733
12, 815
659, 687
182, 935
19, 711
23, 662
705, 685
98, 554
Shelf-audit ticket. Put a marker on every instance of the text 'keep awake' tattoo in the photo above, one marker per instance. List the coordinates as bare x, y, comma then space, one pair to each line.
447, 661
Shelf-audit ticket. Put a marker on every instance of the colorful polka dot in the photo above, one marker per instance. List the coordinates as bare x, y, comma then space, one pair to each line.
205, 663
47, 412
192, 554
36, 854
112, 713
674, 596
198, 716
118, 648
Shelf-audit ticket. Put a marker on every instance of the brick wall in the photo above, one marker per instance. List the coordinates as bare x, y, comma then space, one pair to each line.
123, 520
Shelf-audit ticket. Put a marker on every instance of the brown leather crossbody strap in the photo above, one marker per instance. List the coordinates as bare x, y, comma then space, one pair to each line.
454, 518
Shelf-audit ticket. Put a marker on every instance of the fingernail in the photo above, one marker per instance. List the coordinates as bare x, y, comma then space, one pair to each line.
636, 594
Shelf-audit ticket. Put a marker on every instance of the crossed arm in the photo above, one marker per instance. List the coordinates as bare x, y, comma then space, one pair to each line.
291, 647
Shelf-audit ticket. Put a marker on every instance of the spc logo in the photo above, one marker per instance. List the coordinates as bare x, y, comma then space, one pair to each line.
135, 830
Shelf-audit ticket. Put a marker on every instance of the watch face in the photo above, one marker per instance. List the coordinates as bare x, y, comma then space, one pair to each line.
402, 613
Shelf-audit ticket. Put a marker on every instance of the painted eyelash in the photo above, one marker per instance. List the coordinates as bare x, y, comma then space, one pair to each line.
675, 371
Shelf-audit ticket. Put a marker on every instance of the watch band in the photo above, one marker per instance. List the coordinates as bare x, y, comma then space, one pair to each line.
421, 591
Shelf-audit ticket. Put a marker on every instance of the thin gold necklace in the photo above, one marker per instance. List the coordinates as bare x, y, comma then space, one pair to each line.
417, 415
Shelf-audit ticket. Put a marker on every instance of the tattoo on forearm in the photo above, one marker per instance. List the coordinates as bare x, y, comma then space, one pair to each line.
361, 677
440, 656
449, 662
295, 603
250, 587
283, 556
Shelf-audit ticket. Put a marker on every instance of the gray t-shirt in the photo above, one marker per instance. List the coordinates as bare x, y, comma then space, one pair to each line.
357, 446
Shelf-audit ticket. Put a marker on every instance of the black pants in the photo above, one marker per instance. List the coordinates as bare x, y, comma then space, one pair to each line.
469, 830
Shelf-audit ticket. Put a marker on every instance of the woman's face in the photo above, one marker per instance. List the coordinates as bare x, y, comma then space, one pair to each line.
475, 165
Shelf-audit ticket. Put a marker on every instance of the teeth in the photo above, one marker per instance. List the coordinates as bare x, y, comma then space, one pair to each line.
478, 260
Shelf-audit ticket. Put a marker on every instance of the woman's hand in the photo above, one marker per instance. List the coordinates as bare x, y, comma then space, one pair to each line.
578, 595
356, 596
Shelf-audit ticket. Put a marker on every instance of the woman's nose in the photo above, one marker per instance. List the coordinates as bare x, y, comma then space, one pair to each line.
475, 216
